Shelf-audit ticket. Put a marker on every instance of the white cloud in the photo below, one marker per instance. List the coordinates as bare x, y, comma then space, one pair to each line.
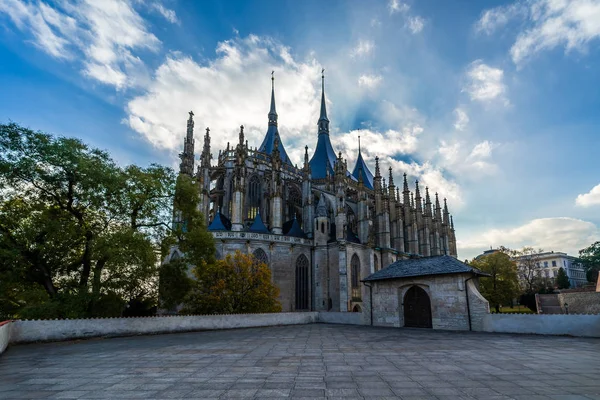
107, 33
498, 17
397, 6
482, 150
231, 90
50, 29
369, 81
415, 24
551, 234
462, 119
485, 83
169, 15
363, 48
548, 24
472, 164
592, 198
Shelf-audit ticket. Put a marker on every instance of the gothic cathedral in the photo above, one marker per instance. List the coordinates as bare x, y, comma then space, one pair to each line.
320, 228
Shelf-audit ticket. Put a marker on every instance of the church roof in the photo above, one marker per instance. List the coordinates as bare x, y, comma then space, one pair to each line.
437, 265
258, 226
220, 223
268, 143
323, 158
292, 228
361, 168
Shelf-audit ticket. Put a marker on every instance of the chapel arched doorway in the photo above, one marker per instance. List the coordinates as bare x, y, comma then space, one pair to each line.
417, 308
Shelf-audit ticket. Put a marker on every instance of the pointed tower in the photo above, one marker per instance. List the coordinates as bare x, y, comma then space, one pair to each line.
324, 158
268, 143
453, 249
276, 191
363, 211
361, 169
239, 184
436, 249
307, 197
203, 177
445, 232
340, 197
187, 156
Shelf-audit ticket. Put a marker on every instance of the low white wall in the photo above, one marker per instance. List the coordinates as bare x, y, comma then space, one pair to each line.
543, 324
68, 329
5, 330
348, 318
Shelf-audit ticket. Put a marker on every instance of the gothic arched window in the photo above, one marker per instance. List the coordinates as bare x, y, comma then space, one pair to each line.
351, 218
253, 198
355, 268
294, 204
376, 262
220, 192
260, 256
302, 282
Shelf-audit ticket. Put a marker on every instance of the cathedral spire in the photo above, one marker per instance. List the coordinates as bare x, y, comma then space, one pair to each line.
187, 156
272, 111
323, 121
427, 202
446, 219
419, 203
437, 213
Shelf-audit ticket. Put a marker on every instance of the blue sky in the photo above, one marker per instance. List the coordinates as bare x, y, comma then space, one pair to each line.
492, 104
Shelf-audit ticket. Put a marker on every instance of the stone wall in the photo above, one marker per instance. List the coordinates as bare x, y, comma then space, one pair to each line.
580, 302
347, 318
446, 293
478, 305
543, 324
69, 329
282, 260
5, 335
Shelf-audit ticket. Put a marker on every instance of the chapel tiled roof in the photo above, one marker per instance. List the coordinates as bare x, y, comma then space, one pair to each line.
436, 265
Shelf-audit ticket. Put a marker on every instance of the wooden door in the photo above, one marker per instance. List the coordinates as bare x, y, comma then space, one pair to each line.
417, 308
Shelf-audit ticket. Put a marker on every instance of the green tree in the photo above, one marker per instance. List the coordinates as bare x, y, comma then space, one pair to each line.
193, 241
562, 280
78, 234
237, 284
590, 259
503, 284
529, 268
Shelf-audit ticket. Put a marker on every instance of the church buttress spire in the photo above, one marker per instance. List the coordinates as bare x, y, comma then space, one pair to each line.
272, 111
187, 156
323, 121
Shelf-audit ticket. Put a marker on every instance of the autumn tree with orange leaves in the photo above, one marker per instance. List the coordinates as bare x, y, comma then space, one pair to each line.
237, 284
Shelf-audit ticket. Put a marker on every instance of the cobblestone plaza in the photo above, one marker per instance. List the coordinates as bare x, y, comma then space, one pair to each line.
307, 361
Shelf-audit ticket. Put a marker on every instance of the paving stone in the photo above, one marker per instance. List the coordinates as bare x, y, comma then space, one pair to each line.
307, 361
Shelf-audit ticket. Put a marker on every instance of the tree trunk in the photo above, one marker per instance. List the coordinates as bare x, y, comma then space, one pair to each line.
86, 260
497, 308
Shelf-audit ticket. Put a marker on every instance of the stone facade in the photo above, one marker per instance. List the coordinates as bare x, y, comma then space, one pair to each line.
447, 296
340, 226
580, 302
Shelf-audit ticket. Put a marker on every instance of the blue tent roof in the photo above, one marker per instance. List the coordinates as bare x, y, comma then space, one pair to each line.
362, 168
323, 158
269, 143
220, 223
272, 132
292, 228
258, 226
